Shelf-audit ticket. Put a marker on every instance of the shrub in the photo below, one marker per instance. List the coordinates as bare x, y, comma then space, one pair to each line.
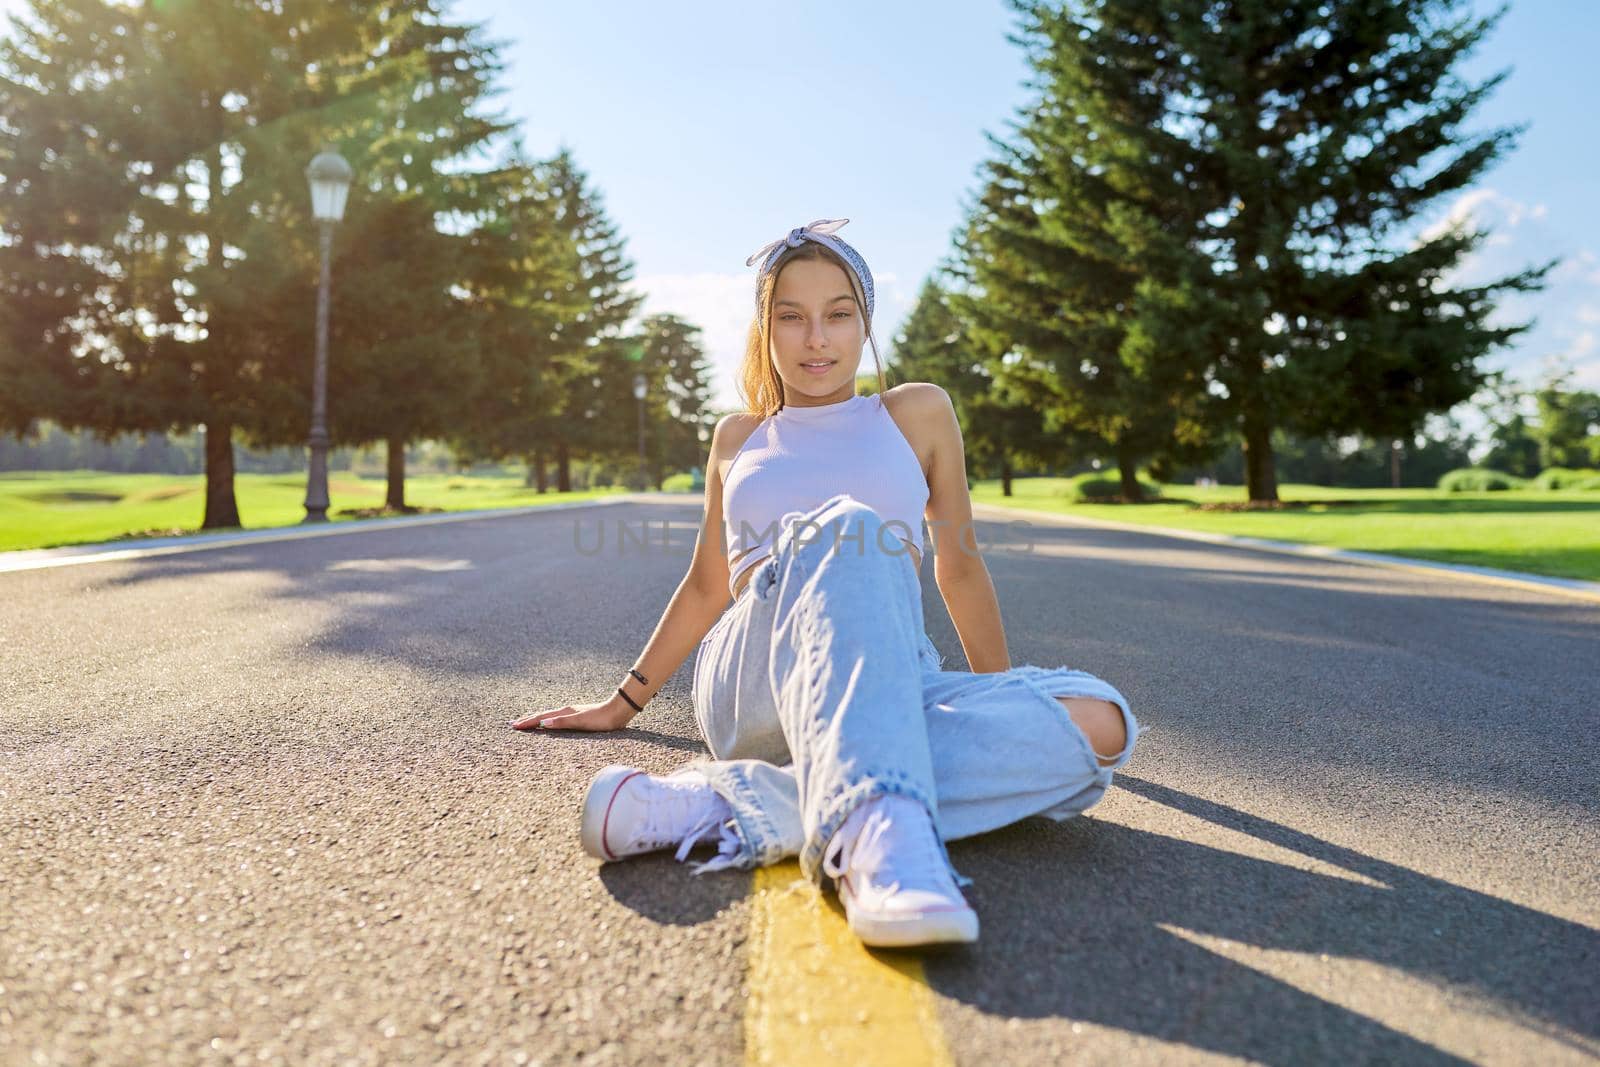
1563, 478
1478, 480
1098, 488
682, 482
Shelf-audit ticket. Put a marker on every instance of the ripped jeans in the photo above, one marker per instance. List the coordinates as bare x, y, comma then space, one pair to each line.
820, 688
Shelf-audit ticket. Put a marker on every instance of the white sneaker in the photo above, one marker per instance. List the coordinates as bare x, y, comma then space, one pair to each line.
892, 879
628, 811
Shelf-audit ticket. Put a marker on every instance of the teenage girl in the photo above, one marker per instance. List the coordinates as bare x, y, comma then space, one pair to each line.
835, 733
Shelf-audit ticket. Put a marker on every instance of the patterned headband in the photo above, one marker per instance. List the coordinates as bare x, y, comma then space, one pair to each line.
821, 231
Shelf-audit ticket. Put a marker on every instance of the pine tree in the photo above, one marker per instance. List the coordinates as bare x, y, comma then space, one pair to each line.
525, 284
996, 426
62, 68
1072, 250
679, 421
137, 122
1191, 232
405, 350
597, 398
1322, 127
559, 384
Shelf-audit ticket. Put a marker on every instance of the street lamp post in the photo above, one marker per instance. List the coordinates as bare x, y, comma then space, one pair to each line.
640, 385
329, 177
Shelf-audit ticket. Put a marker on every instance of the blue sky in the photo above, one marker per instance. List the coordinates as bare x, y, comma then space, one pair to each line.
712, 128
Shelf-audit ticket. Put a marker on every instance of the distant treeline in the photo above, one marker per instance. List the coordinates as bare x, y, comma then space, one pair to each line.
52, 448
1312, 461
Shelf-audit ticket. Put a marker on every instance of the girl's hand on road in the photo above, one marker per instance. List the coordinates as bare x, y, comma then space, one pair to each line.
611, 714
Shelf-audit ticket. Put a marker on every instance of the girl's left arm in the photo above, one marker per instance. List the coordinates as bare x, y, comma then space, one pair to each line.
958, 567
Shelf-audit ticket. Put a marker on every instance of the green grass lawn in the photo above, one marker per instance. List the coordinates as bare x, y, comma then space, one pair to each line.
42, 509
1551, 533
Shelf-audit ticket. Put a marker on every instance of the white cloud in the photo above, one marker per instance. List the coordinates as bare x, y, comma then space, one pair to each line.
722, 305
1580, 266
1462, 212
1563, 314
1484, 209
1582, 358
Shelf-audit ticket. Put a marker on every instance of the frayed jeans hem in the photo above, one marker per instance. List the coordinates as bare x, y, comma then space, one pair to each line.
757, 847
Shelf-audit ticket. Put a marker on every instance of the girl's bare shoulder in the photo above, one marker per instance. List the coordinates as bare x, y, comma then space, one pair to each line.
918, 408
732, 431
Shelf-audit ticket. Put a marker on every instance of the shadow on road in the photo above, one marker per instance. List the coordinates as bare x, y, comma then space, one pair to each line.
1079, 916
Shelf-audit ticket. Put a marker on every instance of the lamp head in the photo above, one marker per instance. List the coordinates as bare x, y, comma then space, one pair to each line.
329, 177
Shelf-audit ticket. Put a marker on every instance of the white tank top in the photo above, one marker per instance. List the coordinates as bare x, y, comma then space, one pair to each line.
798, 457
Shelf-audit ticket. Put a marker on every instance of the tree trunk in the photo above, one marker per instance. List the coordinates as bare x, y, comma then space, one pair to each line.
529, 479
563, 469
543, 475
222, 510
1005, 477
1128, 467
1261, 481
1394, 464
396, 498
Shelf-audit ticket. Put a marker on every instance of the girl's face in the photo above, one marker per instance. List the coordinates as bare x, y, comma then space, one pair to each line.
815, 320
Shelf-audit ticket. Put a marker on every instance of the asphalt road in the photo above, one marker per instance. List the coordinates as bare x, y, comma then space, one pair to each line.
260, 804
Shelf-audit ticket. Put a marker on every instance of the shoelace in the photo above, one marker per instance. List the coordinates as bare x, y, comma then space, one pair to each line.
727, 852
700, 829
672, 805
916, 855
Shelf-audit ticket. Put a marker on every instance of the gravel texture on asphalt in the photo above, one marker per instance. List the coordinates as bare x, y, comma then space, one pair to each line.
260, 805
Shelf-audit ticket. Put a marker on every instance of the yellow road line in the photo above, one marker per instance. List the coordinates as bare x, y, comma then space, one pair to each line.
817, 993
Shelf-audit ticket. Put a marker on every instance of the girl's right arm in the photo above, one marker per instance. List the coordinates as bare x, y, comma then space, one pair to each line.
696, 606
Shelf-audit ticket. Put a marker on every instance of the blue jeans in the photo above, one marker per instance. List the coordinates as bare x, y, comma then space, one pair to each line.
820, 688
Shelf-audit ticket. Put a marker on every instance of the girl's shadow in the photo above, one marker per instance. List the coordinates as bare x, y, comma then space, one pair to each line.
1077, 919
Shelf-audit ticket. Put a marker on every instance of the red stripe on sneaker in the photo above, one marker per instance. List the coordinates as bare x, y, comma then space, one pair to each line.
604, 846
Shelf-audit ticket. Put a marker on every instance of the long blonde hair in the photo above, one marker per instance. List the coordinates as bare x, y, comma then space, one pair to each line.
760, 388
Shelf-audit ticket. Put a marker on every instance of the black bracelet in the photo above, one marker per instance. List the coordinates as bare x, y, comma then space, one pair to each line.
625, 696
642, 679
